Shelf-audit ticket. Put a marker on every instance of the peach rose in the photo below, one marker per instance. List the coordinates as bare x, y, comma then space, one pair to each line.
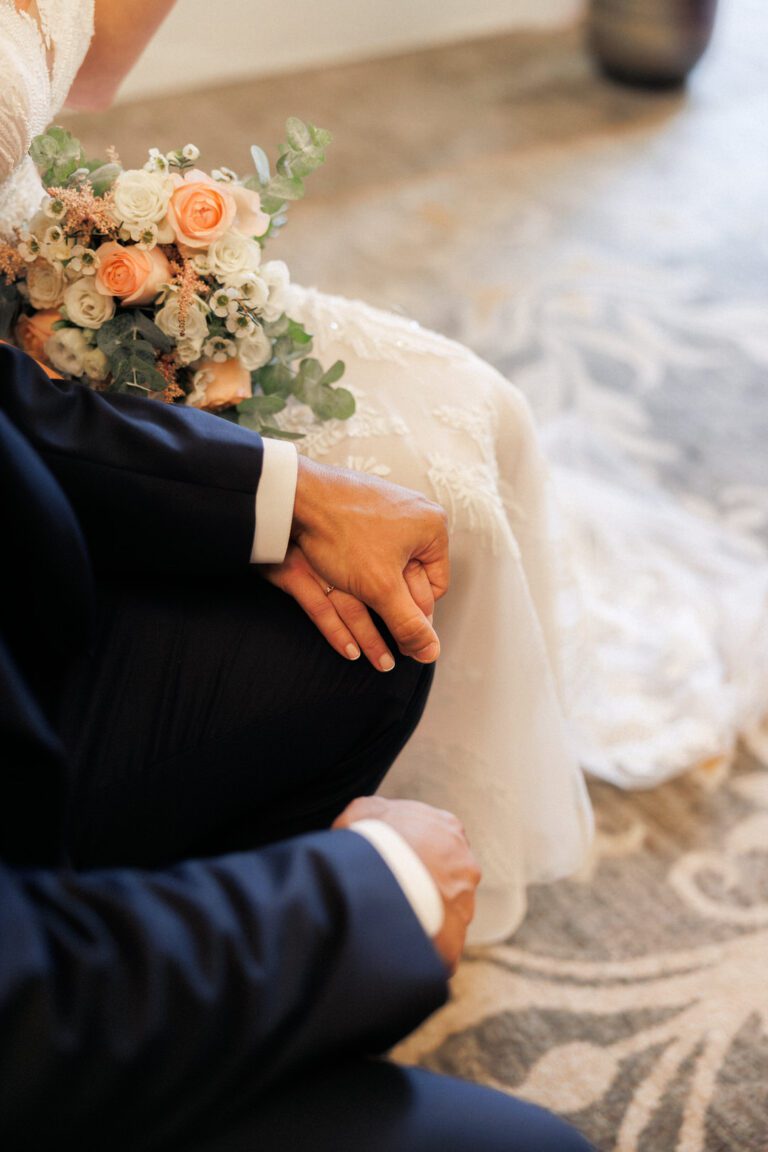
250, 220
33, 331
217, 385
200, 210
134, 275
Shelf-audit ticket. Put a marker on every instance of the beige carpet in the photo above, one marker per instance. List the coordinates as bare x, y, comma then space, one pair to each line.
597, 244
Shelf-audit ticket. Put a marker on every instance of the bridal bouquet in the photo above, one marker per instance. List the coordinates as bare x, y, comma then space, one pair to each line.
151, 280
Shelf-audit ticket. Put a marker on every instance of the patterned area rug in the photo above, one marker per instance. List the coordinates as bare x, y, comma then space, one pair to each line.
634, 999
606, 249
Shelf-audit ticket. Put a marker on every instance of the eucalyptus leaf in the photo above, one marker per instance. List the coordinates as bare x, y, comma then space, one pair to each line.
334, 373
132, 371
278, 433
274, 380
297, 133
56, 155
297, 333
131, 330
285, 188
261, 163
311, 372
331, 403
102, 177
262, 405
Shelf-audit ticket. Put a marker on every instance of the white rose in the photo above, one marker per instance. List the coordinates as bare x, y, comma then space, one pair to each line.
195, 324
87, 306
46, 285
67, 349
141, 199
95, 364
255, 350
232, 258
275, 275
187, 351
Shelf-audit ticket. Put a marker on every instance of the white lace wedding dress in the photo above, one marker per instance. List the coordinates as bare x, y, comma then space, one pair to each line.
624, 628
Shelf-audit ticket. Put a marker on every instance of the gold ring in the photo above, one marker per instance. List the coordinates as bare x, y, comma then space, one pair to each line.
329, 588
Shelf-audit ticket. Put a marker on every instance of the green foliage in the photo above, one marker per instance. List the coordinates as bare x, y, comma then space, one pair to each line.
58, 156
101, 177
130, 343
291, 372
301, 153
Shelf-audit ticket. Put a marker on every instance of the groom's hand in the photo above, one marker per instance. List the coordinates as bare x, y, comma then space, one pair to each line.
385, 545
439, 840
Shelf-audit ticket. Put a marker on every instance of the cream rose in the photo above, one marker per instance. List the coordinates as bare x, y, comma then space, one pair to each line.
233, 258
66, 350
275, 275
140, 200
218, 385
200, 209
45, 285
86, 305
254, 350
195, 325
95, 364
132, 274
33, 331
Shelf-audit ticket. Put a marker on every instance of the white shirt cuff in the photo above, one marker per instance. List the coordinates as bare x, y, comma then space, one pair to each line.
418, 886
275, 497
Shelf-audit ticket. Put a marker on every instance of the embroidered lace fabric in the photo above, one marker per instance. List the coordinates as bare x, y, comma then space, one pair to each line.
42, 45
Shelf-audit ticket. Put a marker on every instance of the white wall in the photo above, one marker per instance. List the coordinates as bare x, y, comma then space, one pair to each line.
206, 42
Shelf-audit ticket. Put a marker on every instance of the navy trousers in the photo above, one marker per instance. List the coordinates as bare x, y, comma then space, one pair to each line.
184, 683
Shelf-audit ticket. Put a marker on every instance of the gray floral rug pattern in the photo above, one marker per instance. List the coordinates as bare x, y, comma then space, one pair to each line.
634, 999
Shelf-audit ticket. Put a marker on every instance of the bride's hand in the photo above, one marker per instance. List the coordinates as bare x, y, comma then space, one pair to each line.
342, 619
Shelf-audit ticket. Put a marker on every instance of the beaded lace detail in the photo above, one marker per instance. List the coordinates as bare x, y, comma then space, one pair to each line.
42, 45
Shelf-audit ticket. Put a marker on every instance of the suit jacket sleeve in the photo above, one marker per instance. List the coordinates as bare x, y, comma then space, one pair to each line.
154, 486
134, 1003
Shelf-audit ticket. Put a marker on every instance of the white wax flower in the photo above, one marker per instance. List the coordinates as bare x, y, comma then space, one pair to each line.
67, 349
45, 284
87, 306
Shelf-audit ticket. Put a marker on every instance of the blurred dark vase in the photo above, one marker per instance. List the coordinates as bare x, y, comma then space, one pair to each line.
653, 43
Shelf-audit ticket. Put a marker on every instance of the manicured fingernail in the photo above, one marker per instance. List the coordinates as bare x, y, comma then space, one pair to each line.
386, 663
352, 651
428, 654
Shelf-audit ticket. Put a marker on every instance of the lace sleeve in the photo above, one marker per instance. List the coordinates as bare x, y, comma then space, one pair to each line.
42, 45
25, 94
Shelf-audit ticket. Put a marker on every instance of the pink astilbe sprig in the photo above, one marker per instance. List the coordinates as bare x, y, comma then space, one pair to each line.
85, 212
12, 263
188, 281
168, 368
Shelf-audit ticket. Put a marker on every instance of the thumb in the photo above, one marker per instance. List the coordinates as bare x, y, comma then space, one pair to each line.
410, 628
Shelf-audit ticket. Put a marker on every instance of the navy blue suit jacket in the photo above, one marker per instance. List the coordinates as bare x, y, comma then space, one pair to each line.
132, 1001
